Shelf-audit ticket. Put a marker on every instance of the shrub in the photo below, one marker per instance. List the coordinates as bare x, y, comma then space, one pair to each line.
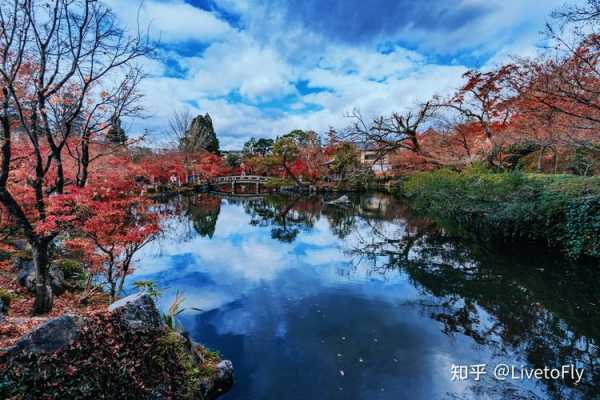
561, 210
150, 287
72, 269
108, 361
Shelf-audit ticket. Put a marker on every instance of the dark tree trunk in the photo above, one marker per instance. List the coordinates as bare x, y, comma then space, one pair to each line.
84, 163
43, 291
415, 142
60, 175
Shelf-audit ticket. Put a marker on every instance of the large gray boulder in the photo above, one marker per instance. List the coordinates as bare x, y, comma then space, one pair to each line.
26, 277
138, 312
52, 336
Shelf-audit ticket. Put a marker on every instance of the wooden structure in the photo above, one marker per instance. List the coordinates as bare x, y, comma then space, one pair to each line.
234, 181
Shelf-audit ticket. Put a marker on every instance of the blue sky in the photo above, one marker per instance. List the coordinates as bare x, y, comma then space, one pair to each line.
265, 67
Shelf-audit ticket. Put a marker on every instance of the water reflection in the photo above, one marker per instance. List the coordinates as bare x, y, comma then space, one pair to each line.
312, 300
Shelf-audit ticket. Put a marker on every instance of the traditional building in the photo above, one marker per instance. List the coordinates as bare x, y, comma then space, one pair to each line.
368, 155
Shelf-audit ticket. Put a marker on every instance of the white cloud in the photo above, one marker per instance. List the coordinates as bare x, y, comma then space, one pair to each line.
172, 20
241, 76
240, 63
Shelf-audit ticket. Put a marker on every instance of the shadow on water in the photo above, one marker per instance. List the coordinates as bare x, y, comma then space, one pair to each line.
368, 300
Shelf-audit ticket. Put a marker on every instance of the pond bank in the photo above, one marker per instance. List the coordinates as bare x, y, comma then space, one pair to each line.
562, 211
126, 351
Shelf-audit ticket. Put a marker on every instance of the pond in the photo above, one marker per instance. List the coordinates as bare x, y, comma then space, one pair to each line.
366, 300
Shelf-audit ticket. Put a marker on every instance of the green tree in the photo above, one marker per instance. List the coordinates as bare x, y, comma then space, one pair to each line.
200, 135
249, 146
345, 159
263, 146
233, 160
286, 150
116, 134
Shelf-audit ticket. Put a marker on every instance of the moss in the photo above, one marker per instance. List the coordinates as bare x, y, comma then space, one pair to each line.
211, 356
207, 370
6, 296
23, 254
173, 347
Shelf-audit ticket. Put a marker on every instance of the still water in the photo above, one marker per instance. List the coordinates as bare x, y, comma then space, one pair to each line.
368, 301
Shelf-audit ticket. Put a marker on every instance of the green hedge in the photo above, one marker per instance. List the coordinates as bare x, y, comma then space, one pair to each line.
562, 210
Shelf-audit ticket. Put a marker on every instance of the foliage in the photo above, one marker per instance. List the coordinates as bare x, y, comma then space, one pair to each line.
200, 135
67, 70
560, 210
73, 271
116, 134
345, 159
173, 346
260, 146
148, 287
585, 162
233, 160
170, 317
6, 296
107, 359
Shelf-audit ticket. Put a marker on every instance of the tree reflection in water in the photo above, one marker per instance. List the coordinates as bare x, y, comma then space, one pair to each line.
285, 214
522, 302
203, 210
511, 298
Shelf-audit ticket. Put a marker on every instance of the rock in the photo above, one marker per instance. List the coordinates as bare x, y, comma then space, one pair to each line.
220, 383
26, 276
21, 245
341, 201
52, 336
138, 312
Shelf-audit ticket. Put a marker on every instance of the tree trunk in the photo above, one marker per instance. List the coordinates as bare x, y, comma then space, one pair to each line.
124, 272
415, 142
60, 174
540, 164
289, 172
43, 291
84, 163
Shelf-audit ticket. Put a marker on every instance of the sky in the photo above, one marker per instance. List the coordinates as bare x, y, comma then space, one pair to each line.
262, 68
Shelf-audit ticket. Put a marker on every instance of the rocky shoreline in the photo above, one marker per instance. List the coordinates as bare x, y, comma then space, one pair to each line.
86, 356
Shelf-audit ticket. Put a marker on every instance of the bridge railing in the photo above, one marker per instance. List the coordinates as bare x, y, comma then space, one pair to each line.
246, 178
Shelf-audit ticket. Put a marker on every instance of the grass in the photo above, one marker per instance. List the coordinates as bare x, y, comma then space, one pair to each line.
561, 210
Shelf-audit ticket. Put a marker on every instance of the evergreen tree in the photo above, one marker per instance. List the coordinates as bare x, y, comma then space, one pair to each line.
116, 134
200, 135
